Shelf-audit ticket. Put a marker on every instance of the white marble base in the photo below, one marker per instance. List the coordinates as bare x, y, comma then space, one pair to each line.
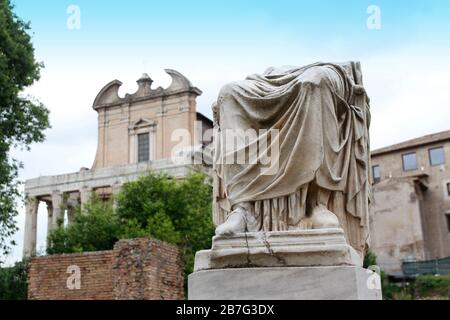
285, 283
299, 248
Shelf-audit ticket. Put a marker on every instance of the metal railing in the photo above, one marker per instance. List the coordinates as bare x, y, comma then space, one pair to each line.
437, 266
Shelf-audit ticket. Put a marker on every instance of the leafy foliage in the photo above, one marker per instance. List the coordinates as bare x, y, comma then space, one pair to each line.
96, 227
433, 286
22, 120
13, 282
388, 289
155, 205
422, 287
370, 259
184, 206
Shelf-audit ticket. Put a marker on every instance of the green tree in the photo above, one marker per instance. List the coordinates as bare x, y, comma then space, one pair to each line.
194, 218
161, 227
390, 290
370, 259
22, 119
433, 286
13, 282
95, 227
165, 202
146, 196
155, 205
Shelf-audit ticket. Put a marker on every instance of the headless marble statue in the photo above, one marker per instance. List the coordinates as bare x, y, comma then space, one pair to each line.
319, 179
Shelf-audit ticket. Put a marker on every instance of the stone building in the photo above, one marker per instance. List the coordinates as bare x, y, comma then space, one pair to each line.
136, 133
410, 213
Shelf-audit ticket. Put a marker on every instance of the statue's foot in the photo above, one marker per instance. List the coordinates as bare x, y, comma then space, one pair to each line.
305, 224
323, 218
236, 223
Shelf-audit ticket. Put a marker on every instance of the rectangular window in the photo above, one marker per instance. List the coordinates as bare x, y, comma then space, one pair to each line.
143, 147
409, 161
448, 221
437, 156
376, 173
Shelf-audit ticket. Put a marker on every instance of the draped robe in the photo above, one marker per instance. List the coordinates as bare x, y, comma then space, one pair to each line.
321, 116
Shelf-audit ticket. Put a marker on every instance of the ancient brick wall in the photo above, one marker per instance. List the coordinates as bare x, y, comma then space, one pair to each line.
134, 269
148, 270
48, 276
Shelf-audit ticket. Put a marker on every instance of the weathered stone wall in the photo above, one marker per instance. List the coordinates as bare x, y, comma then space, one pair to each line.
135, 269
147, 270
436, 201
396, 221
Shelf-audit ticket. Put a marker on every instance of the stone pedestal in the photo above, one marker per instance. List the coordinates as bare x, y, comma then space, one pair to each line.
299, 248
301, 264
285, 283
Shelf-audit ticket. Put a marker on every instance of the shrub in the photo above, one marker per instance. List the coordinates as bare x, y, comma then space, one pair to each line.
432, 286
176, 211
95, 227
155, 205
13, 282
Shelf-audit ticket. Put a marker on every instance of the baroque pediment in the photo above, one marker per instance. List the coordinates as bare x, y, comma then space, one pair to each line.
109, 94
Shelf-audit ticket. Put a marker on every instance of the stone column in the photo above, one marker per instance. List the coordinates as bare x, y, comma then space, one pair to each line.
85, 195
29, 243
50, 225
115, 190
72, 204
70, 215
58, 208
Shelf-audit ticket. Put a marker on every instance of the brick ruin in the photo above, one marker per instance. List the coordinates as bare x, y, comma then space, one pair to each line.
136, 269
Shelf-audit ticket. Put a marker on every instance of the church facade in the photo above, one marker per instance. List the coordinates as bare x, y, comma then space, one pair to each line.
136, 134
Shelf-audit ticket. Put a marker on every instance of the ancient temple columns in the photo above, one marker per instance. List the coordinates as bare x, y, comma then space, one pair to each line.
58, 203
70, 215
31, 209
55, 211
85, 194
58, 209
50, 225
72, 203
115, 190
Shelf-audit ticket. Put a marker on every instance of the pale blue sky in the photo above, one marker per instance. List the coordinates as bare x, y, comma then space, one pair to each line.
405, 63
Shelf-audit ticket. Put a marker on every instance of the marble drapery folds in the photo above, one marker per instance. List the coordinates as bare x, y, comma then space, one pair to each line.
320, 114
